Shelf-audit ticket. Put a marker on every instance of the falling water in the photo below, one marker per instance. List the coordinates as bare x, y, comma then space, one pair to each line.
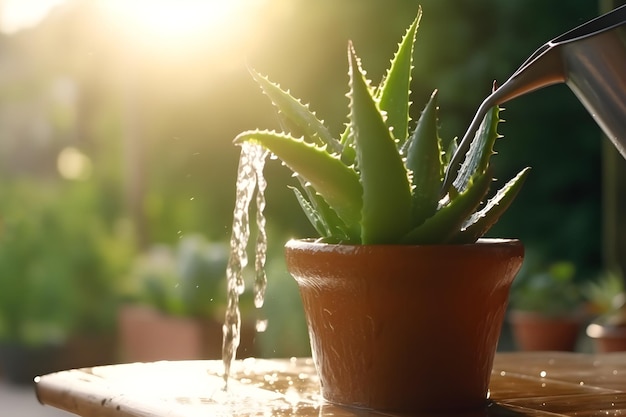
260, 280
249, 178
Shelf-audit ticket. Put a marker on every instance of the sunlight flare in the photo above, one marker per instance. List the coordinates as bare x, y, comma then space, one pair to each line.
178, 20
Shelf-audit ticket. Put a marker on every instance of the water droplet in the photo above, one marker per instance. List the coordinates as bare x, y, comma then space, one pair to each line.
261, 326
543, 374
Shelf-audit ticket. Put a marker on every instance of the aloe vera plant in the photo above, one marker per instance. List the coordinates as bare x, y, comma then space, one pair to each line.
378, 183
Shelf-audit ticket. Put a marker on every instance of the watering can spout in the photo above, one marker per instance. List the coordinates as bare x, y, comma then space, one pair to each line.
590, 59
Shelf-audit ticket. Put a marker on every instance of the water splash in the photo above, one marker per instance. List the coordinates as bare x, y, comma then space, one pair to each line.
249, 178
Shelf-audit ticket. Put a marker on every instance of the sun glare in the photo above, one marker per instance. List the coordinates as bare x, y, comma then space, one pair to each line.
177, 20
20, 14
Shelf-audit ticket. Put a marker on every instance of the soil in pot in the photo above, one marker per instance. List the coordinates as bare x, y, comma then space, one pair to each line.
406, 328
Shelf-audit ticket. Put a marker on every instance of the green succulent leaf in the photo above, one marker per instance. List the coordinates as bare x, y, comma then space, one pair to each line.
395, 89
450, 150
313, 215
481, 221
480, 151
447, 221
339, 231
385, 216
348, 153
297, 114
336, 182
424, 161
376, 184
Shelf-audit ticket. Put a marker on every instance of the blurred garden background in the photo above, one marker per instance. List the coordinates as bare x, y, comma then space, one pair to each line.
117, 168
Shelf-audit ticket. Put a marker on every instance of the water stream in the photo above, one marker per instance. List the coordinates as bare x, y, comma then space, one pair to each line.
249, 179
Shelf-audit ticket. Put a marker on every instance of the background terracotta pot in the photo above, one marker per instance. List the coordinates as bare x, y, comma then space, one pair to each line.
405, 327
535, 331
147, 335
607, 338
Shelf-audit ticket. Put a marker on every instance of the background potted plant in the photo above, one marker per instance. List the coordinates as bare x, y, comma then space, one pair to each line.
608, 303
58, 286
174, 303
396, 289
547, 307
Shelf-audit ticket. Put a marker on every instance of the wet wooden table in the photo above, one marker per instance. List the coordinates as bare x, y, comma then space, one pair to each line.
523, 384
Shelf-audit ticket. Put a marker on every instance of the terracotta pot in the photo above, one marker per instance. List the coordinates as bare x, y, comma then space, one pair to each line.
147, 335
85, 350
608, 338
536, 332
406, 328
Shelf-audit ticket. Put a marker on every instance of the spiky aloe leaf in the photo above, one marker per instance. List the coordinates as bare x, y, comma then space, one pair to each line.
336, 182
449, 152
313, 215
445, 223
423, 160
339, 231
481, 221
395, 88
348, 153
385, 216
297, 113
393, 93
480, 151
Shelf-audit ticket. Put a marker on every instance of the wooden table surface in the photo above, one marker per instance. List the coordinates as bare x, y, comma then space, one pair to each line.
532, 384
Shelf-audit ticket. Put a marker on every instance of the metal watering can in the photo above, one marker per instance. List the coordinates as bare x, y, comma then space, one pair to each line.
590, 59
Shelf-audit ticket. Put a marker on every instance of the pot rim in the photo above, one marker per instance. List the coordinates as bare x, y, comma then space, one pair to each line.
316, 244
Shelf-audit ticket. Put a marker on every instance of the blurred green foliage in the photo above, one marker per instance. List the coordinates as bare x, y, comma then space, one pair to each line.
60, 265
549, 290
156, 122
606, 293
188, 279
